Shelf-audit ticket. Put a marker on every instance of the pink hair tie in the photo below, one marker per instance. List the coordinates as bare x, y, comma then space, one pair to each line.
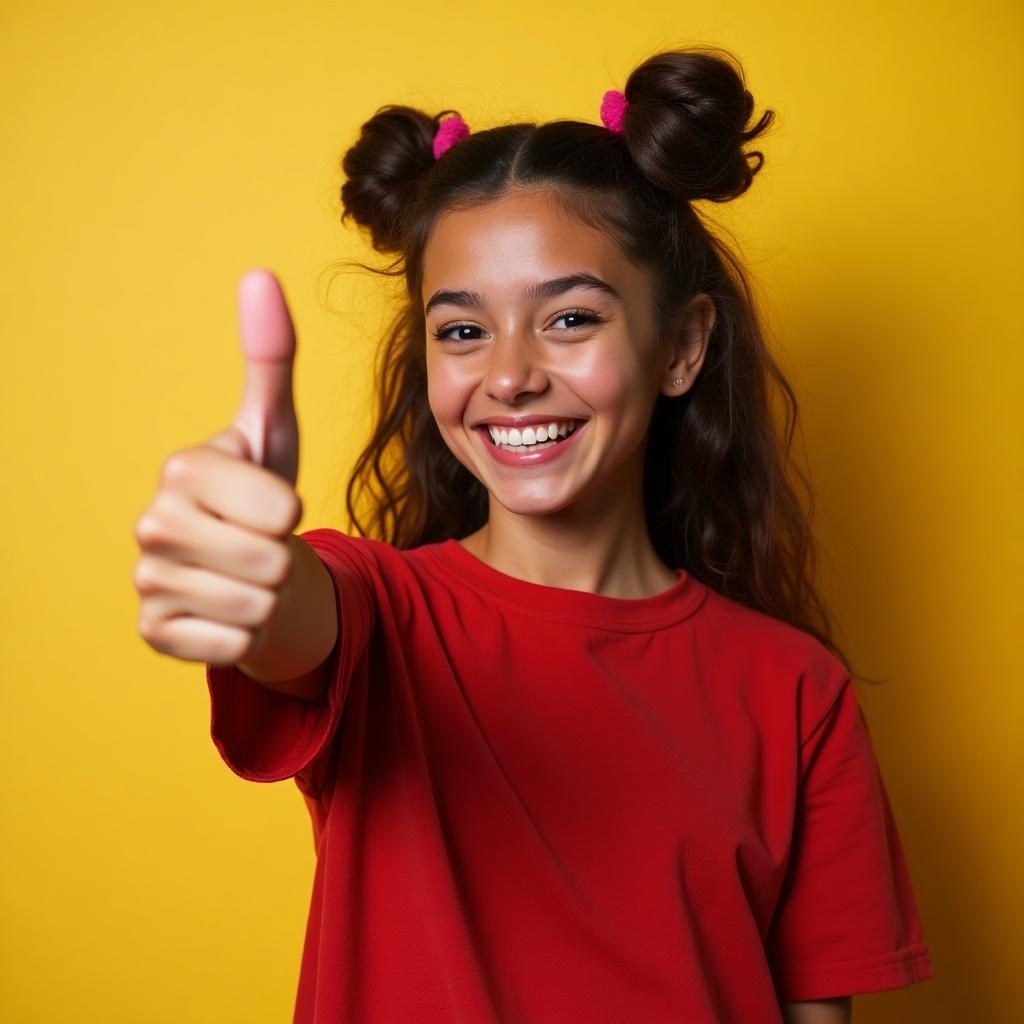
448, 133
613, 110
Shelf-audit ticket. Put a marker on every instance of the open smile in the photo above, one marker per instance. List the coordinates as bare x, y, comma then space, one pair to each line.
513, 449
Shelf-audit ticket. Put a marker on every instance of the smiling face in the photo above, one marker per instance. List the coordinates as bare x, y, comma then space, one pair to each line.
534, 315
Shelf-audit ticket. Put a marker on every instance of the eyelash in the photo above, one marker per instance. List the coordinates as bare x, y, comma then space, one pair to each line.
440, 332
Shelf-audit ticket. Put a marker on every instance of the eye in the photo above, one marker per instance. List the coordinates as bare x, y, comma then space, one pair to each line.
579, 314
441, 334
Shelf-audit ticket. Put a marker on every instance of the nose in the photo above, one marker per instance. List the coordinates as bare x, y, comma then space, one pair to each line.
513, 369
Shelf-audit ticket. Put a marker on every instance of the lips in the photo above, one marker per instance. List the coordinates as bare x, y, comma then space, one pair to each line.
528, 456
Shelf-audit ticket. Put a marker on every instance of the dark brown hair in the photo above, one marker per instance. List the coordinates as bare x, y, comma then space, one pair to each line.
720, 479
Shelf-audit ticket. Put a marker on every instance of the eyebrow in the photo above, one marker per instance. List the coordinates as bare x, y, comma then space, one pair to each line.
539, 290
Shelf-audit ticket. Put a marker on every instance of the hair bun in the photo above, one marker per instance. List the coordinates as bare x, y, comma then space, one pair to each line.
688, 111
383, 169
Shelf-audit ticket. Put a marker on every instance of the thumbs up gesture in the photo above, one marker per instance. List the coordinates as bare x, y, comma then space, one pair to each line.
216, 541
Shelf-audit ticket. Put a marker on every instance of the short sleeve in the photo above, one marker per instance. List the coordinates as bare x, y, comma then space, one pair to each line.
267, 736
846, 921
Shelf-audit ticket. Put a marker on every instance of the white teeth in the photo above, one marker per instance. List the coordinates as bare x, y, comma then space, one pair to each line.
531, 435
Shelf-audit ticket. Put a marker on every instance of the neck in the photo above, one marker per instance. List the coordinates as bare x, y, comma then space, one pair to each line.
599, 545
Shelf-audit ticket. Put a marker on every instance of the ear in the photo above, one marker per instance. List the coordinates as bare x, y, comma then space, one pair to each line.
687, 344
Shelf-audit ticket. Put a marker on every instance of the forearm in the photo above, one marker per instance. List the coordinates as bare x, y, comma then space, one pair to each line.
293, 655
824, 1011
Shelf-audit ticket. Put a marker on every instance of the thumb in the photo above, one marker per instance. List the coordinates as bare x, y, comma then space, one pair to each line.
266, 417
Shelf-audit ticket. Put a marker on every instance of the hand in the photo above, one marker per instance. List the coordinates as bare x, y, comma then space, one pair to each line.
216, 540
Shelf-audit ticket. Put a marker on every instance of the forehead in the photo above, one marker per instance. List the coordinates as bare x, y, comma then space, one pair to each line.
514, 240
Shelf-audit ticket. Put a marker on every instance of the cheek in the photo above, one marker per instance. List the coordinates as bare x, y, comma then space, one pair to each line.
611, 382
448, 391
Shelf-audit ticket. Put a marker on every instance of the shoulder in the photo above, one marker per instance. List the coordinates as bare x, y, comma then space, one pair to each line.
778, 664
364, 550
388, 572
757, 635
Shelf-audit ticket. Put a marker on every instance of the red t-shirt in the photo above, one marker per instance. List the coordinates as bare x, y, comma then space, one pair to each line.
535, 805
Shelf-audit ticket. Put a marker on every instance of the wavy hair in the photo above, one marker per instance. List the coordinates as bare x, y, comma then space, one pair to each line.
722, 487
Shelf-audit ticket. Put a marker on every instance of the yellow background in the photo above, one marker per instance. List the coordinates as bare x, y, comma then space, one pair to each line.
151, 154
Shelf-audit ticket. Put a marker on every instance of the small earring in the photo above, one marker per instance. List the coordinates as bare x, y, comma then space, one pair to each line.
678, 381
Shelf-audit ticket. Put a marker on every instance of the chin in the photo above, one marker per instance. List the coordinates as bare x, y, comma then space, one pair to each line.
520, 502
532, 508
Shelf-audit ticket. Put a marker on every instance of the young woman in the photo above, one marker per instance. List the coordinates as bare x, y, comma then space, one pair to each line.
573, 733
